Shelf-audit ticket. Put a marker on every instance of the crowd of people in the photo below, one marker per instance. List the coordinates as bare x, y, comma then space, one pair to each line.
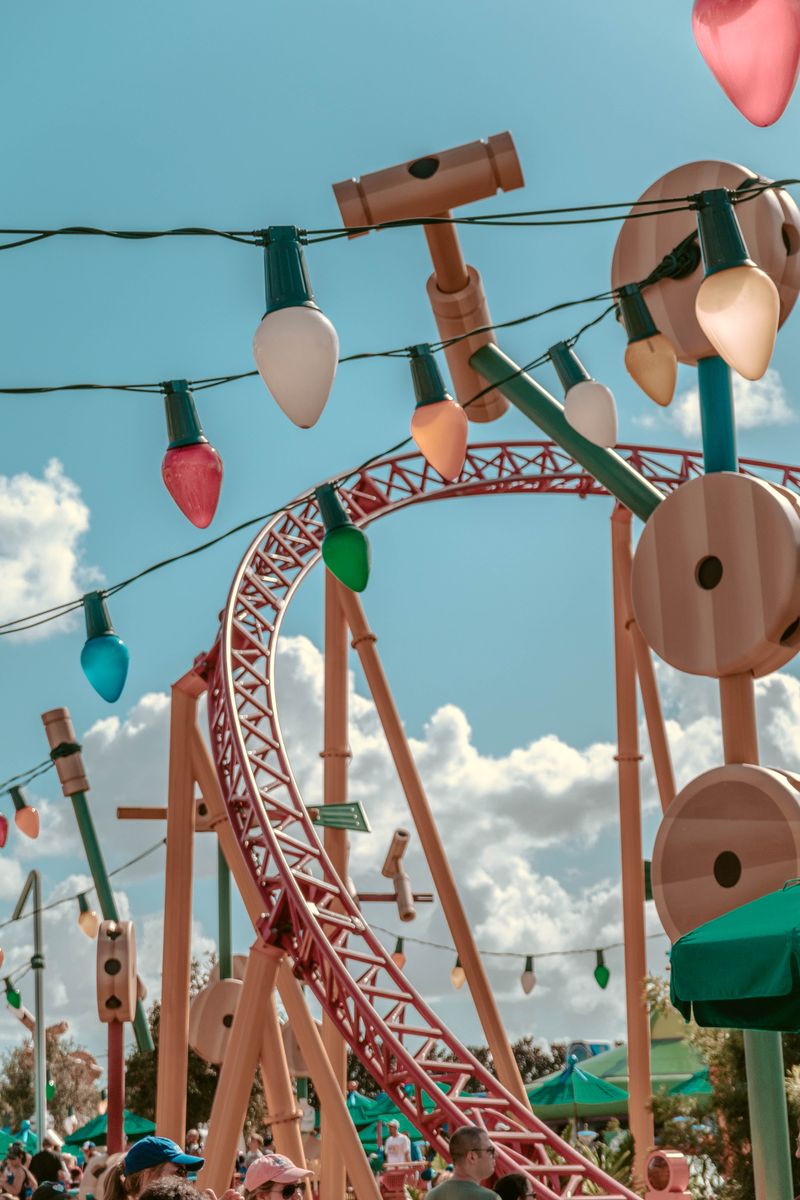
156, 1168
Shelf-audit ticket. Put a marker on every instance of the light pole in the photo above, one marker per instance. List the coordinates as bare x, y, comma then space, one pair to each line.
34, 883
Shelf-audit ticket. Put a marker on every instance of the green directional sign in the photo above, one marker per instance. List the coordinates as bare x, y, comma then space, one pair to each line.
350, 816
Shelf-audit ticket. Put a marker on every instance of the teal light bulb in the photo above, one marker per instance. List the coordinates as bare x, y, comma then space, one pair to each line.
104, 657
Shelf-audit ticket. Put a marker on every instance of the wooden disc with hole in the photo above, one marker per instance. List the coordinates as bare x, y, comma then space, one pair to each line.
729, 837
211, 1016
716, 577
771, 227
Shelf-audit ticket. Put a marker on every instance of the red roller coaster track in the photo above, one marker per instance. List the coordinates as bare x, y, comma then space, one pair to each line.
308, 910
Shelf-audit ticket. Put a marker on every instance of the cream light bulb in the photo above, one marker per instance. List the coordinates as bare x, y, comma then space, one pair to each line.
296, 352
458, 975
653, 364
738, 310
590, 409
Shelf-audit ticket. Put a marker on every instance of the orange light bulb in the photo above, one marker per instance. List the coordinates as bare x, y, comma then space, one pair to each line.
653, 364
441, 431
89, 922
27, 821
458, 975
398, 954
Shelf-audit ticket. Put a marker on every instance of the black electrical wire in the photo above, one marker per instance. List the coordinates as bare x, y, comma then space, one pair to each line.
25, 777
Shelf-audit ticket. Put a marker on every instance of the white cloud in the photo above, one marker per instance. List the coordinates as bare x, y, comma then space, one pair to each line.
531, 837
757, 402
42, 522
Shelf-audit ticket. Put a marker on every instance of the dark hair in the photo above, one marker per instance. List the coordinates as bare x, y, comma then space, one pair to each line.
511, 1187
465, 1139
171, 1188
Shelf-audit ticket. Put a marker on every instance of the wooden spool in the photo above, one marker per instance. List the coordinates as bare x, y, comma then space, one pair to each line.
771, 227
716, 577
729, 837
116, 971
211, 1016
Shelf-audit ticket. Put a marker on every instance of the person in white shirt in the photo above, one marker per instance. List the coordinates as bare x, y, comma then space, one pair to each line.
397, 1147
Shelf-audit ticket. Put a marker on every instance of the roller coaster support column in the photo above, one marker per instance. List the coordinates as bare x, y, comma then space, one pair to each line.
69, 764
335, 756
629, 487
364, 643
325, 1082
173, 1042
630, 824
238, 1068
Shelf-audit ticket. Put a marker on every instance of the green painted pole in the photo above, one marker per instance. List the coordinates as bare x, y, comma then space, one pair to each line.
224, 915
769, 1121
622, 481
108, 905
763, 1049
716, 415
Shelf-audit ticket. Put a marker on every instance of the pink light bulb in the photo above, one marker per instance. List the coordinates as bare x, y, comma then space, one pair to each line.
193, 477
27, 821
753, 50
441, 431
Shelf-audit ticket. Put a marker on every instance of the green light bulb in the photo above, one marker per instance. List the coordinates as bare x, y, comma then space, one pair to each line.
50, 1089
345, 549
13, 998
601, 971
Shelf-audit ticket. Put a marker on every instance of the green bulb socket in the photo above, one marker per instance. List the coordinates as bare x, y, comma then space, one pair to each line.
721, 238
83, 903
285, 274
183, 423
529, 962
330, 507
636, 316
398, 946
17, 798
95, 609
427, 378
569, 368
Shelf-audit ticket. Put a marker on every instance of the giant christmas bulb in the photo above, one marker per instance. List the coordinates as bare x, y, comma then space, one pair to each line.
345, 549
26, 818
295, 346
192, 469
753, 50
439, 426
650, 357
104, 656
588, 405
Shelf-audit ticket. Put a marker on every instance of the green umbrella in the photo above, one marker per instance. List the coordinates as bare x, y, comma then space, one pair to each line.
26, 1137
95, 1130
742, 970
574, 1093
698, 1085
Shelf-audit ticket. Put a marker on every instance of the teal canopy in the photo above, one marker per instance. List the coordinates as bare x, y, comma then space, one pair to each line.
698, 1085
26, 1137
742, 970
96, 1130
574, 1092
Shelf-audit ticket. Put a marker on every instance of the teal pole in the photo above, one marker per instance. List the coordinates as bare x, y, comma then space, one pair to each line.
716, 415
108, 905
769, 1121
763, 1049
224, 915
629, 487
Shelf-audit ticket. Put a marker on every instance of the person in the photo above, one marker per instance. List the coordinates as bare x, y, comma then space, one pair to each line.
255, 1148
473, 1158
193, 1145
51, 1189
514, 1187
17, 1179
275, 1176
149, 1159
397, 1146
87, 1150
48, 1166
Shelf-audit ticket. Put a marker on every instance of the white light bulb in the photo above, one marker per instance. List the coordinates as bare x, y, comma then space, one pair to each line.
738, 310
296, 352
590, 409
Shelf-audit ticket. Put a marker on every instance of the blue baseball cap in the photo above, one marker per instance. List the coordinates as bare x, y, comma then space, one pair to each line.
153, 1151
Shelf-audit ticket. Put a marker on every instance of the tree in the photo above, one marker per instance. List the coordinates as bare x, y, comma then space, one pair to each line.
69, 1067
141, 1073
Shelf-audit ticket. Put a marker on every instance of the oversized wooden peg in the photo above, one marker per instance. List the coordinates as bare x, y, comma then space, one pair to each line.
729, 837
211, 1016
667, 1174
716, 577
116, 971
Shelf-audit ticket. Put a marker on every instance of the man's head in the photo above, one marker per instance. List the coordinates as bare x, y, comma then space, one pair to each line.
394, 1127
472, 1153
88, 1149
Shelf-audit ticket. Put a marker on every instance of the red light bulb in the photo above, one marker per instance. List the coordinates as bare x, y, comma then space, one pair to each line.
3, 831
193, 477
192, 469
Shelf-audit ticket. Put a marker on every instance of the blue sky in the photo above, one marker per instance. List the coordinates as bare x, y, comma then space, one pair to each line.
243, 115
